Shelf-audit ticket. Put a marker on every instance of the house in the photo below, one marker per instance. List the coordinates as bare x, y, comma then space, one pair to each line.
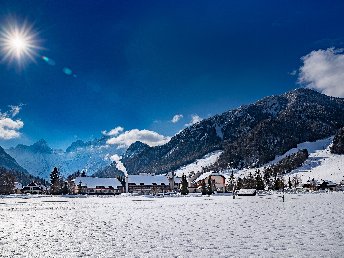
32, 188
18, 188
97, 186
148, 183
174, 181
218, 182
327, 184
311, 184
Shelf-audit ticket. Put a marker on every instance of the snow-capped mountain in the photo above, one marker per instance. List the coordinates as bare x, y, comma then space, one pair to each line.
249, 136
39, 159
11, 165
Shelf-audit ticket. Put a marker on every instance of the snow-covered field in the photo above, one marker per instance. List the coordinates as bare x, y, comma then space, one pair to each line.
305, 225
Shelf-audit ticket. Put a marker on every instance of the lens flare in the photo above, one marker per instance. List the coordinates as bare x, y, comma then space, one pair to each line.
18, 43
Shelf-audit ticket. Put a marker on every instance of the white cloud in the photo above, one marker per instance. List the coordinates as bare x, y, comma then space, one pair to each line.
128, 137
116, 158
14, 110
176, 118
293, 73
114, 131
9, 128
323, 70
194, 119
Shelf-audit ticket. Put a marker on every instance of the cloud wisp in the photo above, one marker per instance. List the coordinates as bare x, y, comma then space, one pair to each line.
9, 127
322, 70
126, 138
176, 118
194, 119
113, 132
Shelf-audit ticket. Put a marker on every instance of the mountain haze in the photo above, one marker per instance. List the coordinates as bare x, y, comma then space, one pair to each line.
39, 159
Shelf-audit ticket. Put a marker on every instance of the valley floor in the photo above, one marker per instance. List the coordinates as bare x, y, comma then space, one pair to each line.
305, 225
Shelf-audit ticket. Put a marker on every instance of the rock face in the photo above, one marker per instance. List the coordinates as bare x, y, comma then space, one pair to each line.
250, 135
338, 142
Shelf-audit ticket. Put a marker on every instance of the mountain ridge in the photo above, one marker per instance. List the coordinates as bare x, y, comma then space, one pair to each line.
250, 135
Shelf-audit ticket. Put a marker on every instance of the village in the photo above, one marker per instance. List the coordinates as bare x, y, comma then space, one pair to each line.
169, 184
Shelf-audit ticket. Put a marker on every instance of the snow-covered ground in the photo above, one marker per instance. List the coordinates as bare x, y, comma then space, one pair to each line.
197, 166
321, 164
305, 225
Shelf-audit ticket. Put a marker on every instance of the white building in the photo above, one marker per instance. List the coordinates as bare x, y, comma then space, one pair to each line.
32, 188
145, 183
95, 185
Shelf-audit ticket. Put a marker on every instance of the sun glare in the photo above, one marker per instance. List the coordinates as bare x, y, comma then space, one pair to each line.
18, 43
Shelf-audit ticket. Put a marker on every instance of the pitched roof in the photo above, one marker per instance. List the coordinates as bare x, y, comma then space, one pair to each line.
93, 182
148, 179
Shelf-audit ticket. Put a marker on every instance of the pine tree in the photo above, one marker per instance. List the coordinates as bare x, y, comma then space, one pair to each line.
251, 184
184, 189
259, 181
231, 182
239, 183
204, 187
290, 184
83, 173
80, 188
65, 189
210, 186
55, 182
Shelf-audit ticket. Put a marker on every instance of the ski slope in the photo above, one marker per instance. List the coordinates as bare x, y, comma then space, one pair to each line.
321, 164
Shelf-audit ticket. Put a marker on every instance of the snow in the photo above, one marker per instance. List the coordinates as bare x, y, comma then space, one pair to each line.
305, 225
197, 166
247, 191
203, 176
148, 179
93, 182
321, 164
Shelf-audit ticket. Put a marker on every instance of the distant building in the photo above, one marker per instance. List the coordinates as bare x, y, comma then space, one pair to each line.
97, 186
18, 188
145, 183
311, 184
218, 182
32, 188
323, 185
327, 184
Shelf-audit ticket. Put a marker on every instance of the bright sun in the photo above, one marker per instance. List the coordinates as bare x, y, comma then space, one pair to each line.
18, 43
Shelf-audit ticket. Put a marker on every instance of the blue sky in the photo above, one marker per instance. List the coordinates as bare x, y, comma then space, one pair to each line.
139, 63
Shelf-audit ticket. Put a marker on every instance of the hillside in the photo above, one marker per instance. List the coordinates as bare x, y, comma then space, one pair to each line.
8, 162
249, 136
11, 165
